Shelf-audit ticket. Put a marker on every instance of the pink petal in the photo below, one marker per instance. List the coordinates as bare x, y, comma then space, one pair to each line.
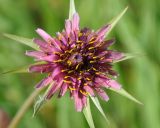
116, 55
114, 84
54, 88
43, 34
49, 58
101, 32
36, 54
77, 101
89, 90
45, 46
68, 27
56, 72
84, 101
63, 89
102, 94
75, 22
44, 82
42, 68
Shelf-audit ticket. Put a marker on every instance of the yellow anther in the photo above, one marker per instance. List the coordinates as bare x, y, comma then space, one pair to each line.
98, 73
72, 89
94, 69
64, 70
95, 57
83, 92
85, 84
69, 62
56, 61
91, 42
66, 81
91, 48
67, 77
102, 58
88, 79
79, 78
79, 41
80, 34
77, 66
70, 71
56, 53
92, 61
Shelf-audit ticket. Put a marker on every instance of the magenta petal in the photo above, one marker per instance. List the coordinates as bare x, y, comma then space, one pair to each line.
116, 55
114, 84
89, 90
77, 101
68, 27
54, 88
56, 72
43, 34
49, 58
36, 54
63, 89
42, 68
84, 101
44, 82
44, 46
75, 22
102, 94
101, 32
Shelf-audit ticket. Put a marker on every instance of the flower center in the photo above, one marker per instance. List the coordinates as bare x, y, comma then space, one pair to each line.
75, 59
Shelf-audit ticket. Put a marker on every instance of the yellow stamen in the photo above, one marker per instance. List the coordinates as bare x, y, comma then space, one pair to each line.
77, 66
72, 89
91, 48
88, 79
92, 61
83, 92
64, 70
66, 81
56, 61
69, 62
67, 77
70, 71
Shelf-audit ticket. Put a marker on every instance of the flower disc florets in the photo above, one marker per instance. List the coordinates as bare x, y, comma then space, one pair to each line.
77, 60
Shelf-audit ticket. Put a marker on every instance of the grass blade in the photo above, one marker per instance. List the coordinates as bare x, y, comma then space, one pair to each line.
115, 20
97, 104
88, 115
72, 9
22, 40
126, 94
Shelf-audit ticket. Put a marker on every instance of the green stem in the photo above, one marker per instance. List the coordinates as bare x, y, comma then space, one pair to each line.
29, 101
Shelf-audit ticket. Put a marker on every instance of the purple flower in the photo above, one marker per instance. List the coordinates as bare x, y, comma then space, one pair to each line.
76, 60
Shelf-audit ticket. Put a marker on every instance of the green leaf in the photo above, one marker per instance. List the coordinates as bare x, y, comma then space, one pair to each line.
72, 9
128, 56
88, 115
126, 94
22, 40
115, 20
22, 69
39, 104
41, 100
97, 104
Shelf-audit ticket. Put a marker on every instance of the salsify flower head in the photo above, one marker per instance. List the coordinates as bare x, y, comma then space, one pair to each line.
76, 60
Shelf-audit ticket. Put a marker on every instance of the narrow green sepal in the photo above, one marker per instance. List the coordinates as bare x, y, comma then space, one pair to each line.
126, 94
72, 9
22, 40
98, 105
88, 115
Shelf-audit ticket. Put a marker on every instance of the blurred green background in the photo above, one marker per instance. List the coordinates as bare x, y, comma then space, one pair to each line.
137, 32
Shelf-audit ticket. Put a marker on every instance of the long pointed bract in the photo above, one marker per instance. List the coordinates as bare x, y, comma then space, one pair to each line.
72, 9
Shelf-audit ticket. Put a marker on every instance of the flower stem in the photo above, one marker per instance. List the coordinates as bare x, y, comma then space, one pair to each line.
29, 101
